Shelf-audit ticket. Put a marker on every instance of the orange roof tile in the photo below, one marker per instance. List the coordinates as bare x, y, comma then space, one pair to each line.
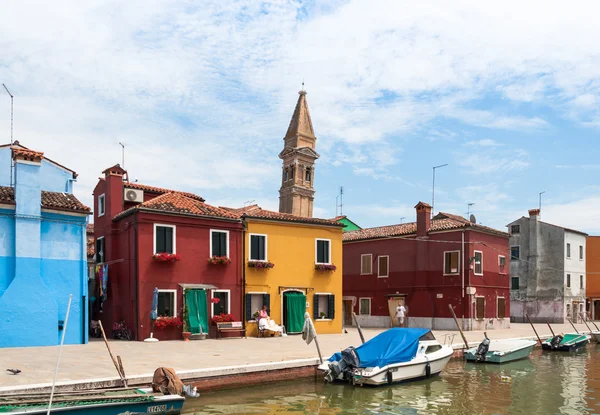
159, 190
16, 151
50, 200
256, 212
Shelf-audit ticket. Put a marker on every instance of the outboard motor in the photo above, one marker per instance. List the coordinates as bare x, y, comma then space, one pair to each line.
556, 340
482, 349
344, 366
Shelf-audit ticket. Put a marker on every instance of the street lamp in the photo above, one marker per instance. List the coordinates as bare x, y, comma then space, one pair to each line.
433, 189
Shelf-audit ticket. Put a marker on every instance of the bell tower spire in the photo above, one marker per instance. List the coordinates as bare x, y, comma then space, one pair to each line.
297, 194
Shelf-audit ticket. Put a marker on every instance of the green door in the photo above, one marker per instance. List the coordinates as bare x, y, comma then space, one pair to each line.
294, 308
195, 300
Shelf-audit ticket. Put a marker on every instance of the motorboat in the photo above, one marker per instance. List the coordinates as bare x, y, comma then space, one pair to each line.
566, 342
596, 335
500, 351
396, 355
113, 402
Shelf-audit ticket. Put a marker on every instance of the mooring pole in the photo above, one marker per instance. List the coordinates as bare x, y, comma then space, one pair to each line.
536, 335
458, 325
551, 331
360, 333
585, 322
569, 320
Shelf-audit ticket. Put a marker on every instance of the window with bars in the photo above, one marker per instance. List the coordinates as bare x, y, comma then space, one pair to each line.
366, 264
258, 247
164, 241
501, 307
323, 247
451, 262
219, 243
515, 229
383, 266
478, 263
480, 308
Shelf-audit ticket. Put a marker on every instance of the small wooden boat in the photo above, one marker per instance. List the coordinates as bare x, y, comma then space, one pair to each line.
396, 355
596, 335
501, 351
121, 402
566, 343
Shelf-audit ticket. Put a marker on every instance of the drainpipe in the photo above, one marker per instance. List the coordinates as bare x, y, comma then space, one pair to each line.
462, 271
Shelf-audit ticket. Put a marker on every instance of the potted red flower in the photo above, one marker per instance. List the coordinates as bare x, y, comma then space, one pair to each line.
219, 260
260, 264
325, 267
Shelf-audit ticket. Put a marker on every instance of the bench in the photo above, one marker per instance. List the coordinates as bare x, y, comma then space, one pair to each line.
231, 326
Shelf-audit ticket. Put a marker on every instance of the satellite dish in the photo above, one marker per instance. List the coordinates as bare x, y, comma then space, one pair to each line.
472, 218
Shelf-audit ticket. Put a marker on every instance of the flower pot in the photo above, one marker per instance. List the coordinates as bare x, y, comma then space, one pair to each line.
186, 336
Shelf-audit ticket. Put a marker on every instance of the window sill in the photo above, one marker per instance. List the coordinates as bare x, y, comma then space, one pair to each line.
323, 263
478, 275
323, 319
382, 276
370, 273
451, 275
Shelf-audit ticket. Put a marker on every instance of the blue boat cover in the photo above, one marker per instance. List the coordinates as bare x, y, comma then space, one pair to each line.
395, 345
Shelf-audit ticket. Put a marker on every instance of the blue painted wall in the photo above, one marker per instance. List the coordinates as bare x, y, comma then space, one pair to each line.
42, 261
52, 178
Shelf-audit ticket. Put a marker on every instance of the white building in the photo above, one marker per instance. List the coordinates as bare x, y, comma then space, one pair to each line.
547, 271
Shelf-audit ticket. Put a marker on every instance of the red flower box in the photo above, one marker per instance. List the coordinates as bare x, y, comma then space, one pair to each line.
219, 260
164, 322
325, 267
260, 264
222, 318
165, 257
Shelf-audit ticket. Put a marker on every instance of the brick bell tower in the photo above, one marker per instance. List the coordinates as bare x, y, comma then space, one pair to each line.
297, 193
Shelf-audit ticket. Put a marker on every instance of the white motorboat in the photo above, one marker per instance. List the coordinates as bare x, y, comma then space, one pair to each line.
396, 355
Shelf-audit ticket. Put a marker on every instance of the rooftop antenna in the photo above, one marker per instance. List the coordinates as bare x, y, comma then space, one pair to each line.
342, 200
12, 98
469, 208
248, 202
122, 155
402, 219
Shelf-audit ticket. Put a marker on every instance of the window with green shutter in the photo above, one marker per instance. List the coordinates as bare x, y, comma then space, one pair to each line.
324, 306
219, 243
258, 247
323, 247
164, 239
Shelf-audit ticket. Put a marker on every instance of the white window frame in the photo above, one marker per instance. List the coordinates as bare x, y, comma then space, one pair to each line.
250, 246
511, 255
212, 295
359, 300
483, 317
371, 262
102, 211
568, 249
316, 245
162, 225
210, 241
388, 266
498, 308
500, 271
475, 263
103, 252
251, 293
323, 295
459, 264
174, 292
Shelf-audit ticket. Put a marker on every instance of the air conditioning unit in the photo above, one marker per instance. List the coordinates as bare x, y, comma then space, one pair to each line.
133, 195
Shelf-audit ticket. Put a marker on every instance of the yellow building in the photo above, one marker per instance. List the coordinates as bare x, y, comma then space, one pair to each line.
296, 246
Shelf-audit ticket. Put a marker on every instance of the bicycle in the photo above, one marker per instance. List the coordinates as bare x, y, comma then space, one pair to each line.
120, 331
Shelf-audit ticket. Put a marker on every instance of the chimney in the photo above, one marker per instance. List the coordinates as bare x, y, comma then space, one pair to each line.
423, 219
114, 190
534, 214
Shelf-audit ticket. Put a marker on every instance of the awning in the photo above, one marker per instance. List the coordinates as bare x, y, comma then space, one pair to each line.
198, 286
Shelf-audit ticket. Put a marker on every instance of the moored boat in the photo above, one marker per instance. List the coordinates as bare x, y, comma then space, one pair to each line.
123, 402
500, 351
566, 342
596, 335
396, 355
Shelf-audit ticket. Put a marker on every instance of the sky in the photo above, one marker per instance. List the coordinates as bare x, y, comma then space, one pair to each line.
201, 94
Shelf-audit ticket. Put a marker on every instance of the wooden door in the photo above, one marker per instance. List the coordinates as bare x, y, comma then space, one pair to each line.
392, 304
348, 313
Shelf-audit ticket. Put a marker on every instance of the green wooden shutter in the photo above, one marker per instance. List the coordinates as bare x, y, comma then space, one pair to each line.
249, 307
267, 302
331, 310
315, 306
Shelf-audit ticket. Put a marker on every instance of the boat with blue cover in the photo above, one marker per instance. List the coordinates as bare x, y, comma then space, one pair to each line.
566, 343
396, 355
115, 402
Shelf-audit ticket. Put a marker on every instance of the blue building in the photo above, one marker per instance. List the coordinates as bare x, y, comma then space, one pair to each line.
43, 255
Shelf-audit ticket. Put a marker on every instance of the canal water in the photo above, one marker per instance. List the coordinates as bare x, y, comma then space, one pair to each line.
546, 383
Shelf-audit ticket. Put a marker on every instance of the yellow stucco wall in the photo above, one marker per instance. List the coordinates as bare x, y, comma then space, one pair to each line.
291, 248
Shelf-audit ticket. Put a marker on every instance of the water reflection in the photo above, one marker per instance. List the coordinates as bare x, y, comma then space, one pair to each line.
547, 383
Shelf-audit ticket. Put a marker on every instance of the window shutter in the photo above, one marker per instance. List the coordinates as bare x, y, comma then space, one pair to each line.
249, 307
168, 240
261, 248
215, 244
222, 244
315, 306
267, 302
331, 311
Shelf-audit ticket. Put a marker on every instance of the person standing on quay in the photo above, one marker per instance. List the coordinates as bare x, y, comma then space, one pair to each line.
400, 314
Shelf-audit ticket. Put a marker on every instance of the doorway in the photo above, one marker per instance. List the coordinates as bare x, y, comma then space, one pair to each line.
347, 304
392, 305
195, 307
294, 307
595, 309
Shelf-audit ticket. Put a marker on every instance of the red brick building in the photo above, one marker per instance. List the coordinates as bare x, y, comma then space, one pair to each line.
132, 222
428, 264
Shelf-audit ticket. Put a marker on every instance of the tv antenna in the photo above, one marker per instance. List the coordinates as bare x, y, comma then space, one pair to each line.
469, 208
12, 98
122, 155
248, 202
402, 219
342, 200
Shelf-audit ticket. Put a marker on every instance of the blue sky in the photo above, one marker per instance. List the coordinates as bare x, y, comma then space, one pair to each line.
201, 93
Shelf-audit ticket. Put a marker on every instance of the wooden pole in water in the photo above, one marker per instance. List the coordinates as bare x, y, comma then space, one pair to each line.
551, 331
111, 355
569, 320
458, 325
62, 341
536, 335
360, 333
590, 319
585, 322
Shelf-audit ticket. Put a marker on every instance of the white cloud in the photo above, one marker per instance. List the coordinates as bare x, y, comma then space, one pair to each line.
582, 214
486, 142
